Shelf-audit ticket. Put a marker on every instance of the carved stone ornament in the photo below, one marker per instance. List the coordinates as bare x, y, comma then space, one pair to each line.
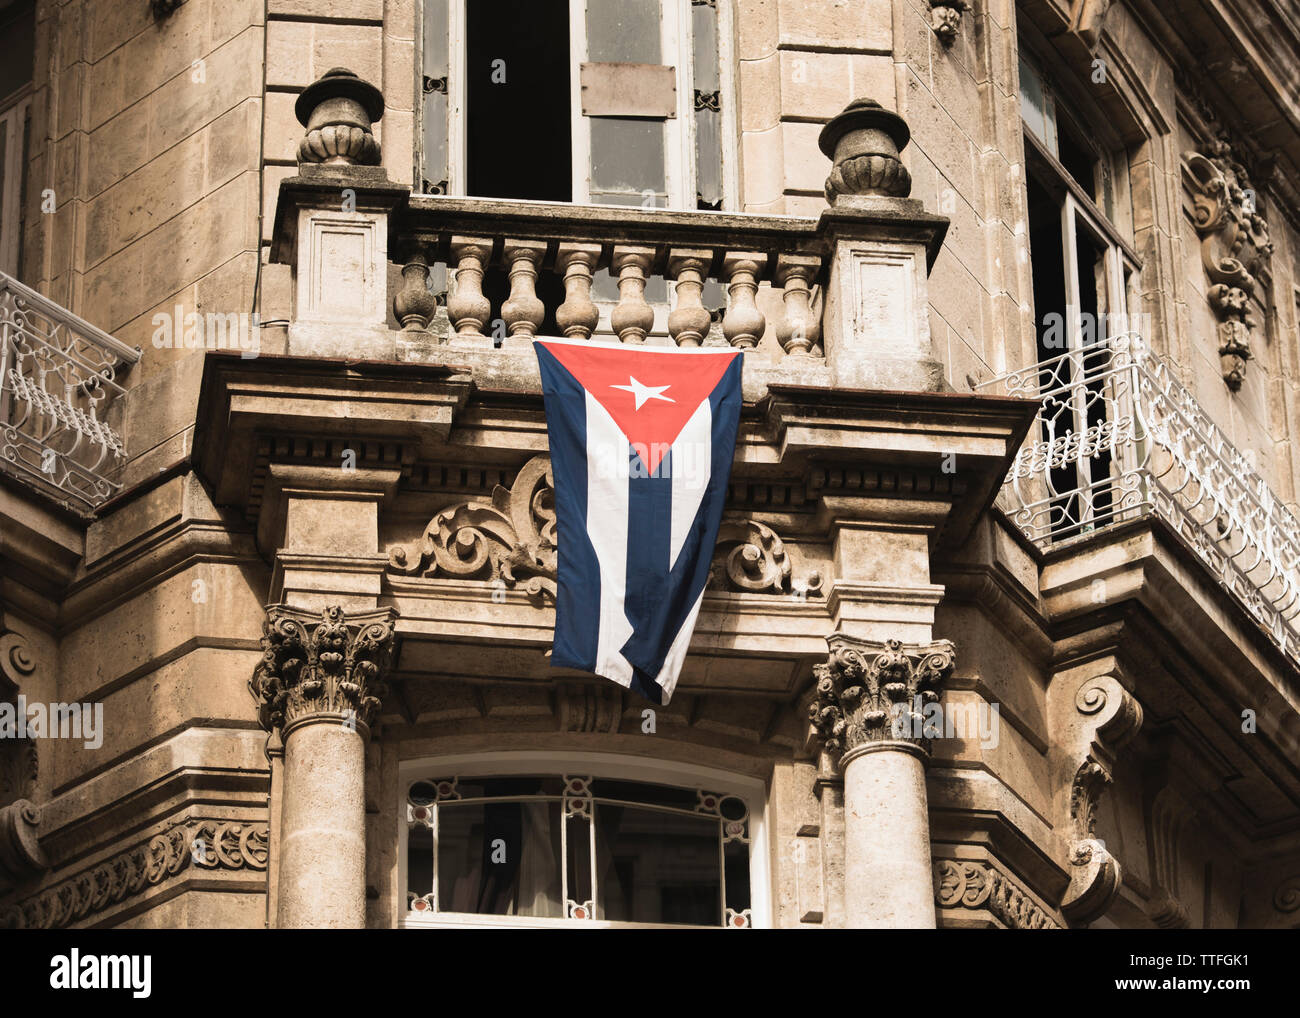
874, 693
979, 885
1095, 874
326, 664
15, 660
945, 18
338, 110
511, 540
863, 143
1235, 248
752, 558
204, 844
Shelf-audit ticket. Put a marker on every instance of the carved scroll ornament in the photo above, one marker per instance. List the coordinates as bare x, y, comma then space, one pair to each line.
511, 540
978, 885
204, 844
1108, 718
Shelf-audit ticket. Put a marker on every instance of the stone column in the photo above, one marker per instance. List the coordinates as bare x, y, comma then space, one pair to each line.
869, 715
319, 685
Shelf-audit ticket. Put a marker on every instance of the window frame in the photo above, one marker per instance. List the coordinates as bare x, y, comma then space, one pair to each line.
680, 148
15, 109
1122, 265
617, 766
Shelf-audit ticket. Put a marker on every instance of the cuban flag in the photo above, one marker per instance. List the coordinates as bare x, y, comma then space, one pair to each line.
642, 440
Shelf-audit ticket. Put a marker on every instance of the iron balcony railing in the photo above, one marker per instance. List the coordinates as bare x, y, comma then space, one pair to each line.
1118, 438
58, 376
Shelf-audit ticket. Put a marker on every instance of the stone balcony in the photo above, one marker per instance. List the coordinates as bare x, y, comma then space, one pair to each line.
59, 378
839, 300
1117, 438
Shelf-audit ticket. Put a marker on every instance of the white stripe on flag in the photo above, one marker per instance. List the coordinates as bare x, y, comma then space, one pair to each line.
692, 465
676, 656
607, 513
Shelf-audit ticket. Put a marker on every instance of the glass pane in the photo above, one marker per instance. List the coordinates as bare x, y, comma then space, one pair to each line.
627, 162
491, 788
656, 867
708, 159
419, 864
704, 46
639, 791
435, 38
435, 141
623, 31
1034, 108
579, 863
500, 858
604, 287
736, 854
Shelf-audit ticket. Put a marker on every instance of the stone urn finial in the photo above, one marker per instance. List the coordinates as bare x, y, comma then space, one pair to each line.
338, 110
863, 142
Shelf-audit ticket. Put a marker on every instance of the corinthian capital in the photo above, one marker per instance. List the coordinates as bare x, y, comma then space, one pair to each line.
326, 665
874, 693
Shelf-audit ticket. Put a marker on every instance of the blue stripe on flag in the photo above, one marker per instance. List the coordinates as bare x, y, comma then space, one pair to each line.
679, 590
577, 599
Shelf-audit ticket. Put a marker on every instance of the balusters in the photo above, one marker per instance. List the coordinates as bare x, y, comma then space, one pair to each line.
743, 323
632, 317
467, 308
413, 305
688, 323
798, 329
578, 316
523, 311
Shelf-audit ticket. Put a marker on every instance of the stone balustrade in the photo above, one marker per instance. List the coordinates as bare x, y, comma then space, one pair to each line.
688, 250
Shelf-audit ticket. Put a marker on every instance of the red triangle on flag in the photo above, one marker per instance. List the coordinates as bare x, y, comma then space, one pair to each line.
650, 393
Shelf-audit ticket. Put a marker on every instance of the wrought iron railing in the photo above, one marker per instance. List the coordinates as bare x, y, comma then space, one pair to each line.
58, 376
1118, 437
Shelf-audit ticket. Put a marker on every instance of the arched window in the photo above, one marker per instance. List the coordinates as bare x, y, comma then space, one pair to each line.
505, 843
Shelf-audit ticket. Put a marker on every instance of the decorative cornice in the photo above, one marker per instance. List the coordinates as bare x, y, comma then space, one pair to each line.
206, 844
871, 693
980, 885
326, 665
1235, 246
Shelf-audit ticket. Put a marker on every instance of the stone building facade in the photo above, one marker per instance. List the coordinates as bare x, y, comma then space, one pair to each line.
1003, 627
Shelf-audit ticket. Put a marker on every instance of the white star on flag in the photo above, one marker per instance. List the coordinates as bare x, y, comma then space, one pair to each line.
644, 392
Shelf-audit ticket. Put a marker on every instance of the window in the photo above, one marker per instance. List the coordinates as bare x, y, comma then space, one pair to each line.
575, 848
612, 102
18, 33
1085, 285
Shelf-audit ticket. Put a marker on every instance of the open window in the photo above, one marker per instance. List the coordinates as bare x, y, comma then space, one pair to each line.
17, 44
612, 102
1085, 286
